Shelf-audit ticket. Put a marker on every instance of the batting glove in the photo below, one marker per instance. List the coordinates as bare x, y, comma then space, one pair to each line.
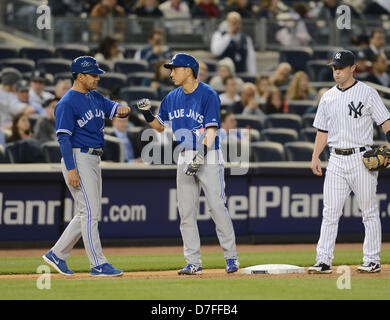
193, 167
144, 104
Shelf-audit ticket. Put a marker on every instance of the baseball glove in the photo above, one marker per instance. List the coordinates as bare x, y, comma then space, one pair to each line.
375, 158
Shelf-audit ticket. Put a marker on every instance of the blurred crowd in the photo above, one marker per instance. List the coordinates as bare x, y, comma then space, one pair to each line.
27, 103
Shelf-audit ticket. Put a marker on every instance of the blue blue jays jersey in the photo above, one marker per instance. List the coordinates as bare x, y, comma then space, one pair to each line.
190, 114
81, 115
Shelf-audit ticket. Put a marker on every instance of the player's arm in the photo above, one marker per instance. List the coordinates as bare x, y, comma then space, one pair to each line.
319, 145
386, 130
211, 133
144, 107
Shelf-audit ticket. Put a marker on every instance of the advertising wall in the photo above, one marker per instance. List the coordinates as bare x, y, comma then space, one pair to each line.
141, 203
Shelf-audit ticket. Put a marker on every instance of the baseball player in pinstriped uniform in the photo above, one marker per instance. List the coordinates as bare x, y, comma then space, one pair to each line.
80, 130
193, 111
344, 119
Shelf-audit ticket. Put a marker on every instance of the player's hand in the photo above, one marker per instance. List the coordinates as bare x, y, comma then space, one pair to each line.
316, 166
73, 178
193, 167
123, 112
144, 104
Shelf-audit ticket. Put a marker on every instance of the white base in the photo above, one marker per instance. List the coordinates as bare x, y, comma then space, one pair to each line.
272, 269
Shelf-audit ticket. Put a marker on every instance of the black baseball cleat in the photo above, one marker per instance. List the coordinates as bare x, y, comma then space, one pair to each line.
320, 268
371, 267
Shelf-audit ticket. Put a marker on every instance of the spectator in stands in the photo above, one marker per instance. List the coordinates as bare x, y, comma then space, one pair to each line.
263, 89
8, 106
377, 43
228, 125
105, 9
62, 87
161, 78
243, 7
203, 72
230, 94
274, 102
225, 68
230, 41
299, 88
120, 131
155, 50
281, 75
176, 9
319, 96
148, 9
379, 73
247, 104
267, 9
23, 96
37, 92
108, 51
45, 128
205, 9
21, 128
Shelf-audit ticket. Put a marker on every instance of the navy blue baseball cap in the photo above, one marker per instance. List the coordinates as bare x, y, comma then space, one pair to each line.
184, 60
342, 58
87, 65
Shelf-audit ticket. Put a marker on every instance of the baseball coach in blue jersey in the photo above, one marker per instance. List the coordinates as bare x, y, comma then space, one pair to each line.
193, 111
80, 130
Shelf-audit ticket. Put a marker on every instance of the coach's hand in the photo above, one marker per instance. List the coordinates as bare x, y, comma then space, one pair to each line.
316, 166
73, 178
123, 112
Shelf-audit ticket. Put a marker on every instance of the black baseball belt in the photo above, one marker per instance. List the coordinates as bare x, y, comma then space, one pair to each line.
347, 152
95, 152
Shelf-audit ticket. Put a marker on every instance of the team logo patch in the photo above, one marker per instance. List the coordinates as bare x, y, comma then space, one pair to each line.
86, 64
356, 111
337, 55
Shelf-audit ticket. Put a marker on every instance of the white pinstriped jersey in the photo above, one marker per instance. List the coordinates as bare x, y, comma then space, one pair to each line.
349, 115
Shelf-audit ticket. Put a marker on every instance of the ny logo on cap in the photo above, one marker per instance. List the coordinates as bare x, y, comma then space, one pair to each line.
337, 55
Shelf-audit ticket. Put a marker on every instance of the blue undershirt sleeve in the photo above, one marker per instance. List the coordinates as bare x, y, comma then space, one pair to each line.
66, 150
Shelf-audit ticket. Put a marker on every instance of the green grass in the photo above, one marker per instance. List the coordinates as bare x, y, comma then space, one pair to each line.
189, 288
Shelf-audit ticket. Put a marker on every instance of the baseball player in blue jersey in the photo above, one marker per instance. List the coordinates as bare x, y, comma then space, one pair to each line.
80, 130
193, 110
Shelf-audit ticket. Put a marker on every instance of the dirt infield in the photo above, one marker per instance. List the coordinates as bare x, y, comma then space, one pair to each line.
207, 273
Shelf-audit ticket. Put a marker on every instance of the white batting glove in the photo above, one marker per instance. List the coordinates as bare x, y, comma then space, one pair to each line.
144, 104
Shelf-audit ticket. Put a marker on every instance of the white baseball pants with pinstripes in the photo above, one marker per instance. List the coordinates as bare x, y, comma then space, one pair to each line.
211, 179
87, 204
343, 175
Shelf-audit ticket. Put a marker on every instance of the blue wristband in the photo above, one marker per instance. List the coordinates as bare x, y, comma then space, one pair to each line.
388, 136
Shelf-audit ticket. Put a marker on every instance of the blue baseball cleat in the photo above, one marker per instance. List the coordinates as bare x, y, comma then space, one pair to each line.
190, 269
232, 265
105, 270
57, 263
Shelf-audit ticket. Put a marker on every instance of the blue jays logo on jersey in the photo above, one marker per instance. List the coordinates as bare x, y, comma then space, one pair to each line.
356, 110
88, 116
180, 113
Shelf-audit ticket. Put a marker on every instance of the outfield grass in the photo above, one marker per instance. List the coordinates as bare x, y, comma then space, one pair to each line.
192, 288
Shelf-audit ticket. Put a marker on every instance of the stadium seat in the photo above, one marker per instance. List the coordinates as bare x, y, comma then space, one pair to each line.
308, 134
113, 149
55, 65
157, 153
302, 151
307, 120
164, 90
137, 78
7, 52
284, 120
247, 77
314, 68
112, 81
23, 65
323, 52
71, 51
300, 106
62, 76
134, 135
249, 121
233, 149
130, 65
266, 151
3, 155
52, 152
130, 50
104, 66
36, 53
212, 64
130, 94
33, 118
296, 56
280, 135
26, 151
